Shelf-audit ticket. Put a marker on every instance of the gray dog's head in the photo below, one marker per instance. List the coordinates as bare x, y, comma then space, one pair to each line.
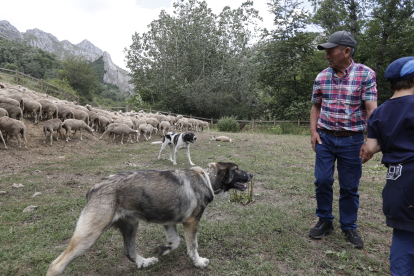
229, 176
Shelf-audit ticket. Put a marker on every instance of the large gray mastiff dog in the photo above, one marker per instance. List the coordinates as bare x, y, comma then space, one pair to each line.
163, 197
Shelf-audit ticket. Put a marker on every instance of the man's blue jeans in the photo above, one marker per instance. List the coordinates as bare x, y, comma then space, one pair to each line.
344, 150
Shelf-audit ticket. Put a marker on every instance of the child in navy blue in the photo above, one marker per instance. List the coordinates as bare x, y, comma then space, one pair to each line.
391, 131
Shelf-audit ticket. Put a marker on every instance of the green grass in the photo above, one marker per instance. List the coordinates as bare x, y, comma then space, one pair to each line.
266, 237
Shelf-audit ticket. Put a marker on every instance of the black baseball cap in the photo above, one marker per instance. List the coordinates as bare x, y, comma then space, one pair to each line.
400, 69
338, 38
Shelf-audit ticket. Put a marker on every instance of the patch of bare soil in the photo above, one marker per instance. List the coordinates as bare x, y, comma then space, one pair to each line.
15, 159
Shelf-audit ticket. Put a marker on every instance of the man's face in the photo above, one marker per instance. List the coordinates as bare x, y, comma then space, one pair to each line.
336, 57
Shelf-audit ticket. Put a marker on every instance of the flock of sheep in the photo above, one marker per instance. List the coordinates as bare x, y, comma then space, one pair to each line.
18, 101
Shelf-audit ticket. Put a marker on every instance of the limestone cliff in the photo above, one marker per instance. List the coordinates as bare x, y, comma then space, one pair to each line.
116, 75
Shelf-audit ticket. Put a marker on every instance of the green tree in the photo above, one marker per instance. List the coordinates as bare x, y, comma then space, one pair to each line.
81, 76
194, 61
290, 63
388, 36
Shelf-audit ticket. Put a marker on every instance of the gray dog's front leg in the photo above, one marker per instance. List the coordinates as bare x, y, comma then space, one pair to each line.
190, 231
173, 239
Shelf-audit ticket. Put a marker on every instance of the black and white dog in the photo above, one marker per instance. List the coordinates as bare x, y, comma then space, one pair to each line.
177, 141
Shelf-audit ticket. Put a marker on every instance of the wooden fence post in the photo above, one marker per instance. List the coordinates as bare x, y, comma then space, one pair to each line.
17, 77
41, 85
212, 122
127, 108
298, 122
253, 124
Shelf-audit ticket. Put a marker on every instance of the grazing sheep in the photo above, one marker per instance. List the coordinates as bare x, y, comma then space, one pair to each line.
49, 108
182, 124
35, 107
6, 99
125, 120
103, 122
152, 121
65, 112
204, 125
51, 125
221, 139
138, 122
15, 128
80, 115
1, 136
3, 112
192, 123
93, 120
76, 125
17, 97
164, 127
15, 112
147, 129
121, 129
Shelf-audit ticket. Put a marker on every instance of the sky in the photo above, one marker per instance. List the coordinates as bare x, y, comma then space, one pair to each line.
107, 24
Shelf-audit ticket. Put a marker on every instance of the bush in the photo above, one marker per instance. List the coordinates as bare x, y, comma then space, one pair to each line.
228, 124
275, 130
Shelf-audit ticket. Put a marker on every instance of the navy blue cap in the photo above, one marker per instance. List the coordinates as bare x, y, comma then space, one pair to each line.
401, 69
338, 38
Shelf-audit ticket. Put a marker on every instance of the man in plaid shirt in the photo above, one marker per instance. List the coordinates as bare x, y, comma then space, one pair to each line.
344, 95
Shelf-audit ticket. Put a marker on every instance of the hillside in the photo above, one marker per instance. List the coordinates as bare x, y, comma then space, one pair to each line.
63, 49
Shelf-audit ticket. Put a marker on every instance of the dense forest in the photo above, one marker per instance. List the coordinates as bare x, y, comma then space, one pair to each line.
75, 74
196, 62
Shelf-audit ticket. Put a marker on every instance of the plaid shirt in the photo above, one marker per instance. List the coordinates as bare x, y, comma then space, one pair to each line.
341, 98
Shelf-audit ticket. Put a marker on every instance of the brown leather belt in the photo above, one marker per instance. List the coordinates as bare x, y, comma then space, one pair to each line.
340, 133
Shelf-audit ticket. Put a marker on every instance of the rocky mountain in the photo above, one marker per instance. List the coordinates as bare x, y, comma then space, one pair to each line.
9, 31
48, 42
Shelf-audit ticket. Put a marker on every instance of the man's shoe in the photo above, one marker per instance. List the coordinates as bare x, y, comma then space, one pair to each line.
353, 238
321, 229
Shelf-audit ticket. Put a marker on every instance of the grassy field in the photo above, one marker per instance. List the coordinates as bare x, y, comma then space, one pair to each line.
269, 236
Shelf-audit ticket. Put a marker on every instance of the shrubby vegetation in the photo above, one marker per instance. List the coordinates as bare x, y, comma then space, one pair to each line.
228, 124
26, 59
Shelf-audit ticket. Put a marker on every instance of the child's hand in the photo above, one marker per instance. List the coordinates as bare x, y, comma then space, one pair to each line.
364, 154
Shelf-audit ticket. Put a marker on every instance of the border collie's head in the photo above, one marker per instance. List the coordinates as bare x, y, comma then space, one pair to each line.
189, 137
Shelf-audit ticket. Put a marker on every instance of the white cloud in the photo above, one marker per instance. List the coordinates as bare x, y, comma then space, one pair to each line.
108, 24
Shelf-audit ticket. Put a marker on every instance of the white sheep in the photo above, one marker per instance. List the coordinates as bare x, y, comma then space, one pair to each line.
163, 127
51, 125
76, 125
222, 139
147, 129
13, 127
121, 129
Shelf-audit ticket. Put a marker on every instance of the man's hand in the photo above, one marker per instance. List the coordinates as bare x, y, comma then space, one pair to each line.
315, 138
364, 154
